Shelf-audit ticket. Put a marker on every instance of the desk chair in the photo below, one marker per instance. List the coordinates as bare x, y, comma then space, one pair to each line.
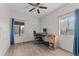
37, 37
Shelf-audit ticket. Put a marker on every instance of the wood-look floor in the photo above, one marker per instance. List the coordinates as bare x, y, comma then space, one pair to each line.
35, 49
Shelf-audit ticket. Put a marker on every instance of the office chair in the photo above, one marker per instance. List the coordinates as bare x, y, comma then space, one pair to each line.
37, 37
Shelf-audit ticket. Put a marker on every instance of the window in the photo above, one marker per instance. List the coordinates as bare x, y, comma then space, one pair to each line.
22, 29
66, 25
18, 28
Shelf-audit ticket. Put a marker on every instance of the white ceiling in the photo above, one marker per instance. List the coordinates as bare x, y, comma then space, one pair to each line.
24, 7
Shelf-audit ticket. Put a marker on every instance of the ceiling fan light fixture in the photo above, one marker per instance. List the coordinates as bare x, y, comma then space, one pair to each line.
37, 7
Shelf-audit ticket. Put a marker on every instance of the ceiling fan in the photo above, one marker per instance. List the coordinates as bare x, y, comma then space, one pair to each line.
37, 6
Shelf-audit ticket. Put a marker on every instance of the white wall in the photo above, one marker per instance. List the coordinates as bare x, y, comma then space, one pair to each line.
51, 22
31, 24
4, 29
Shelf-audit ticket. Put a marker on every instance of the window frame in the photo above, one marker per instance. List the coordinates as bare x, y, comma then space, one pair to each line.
60, 18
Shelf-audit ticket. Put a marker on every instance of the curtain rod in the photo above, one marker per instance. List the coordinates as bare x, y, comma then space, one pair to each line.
66, 13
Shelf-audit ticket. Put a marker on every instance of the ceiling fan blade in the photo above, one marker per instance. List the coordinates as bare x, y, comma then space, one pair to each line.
31, 4
31, 9
38, 11
42, 7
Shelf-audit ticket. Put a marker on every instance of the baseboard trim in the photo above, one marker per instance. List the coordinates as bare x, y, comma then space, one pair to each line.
25, 42
65, 50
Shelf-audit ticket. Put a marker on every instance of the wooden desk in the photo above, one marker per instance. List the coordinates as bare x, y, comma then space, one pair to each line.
44, 35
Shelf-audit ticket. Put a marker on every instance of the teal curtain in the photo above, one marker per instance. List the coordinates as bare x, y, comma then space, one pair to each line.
76, 35
12, 32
